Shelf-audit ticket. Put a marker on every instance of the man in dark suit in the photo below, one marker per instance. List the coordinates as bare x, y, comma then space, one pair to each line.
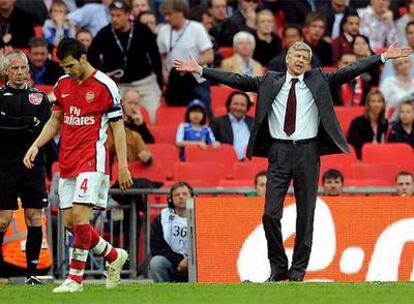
237, 104
295, 123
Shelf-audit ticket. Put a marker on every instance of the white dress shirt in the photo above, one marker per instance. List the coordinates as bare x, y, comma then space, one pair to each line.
307, 114
241, 134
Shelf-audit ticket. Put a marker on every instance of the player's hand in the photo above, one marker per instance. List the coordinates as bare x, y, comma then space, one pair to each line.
182, 267
190, 66
30, 156
124, 178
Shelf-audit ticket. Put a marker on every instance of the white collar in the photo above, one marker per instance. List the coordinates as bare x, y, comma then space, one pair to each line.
289, 77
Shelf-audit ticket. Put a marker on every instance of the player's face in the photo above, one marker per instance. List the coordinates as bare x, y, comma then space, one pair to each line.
17, 71
238, 106
332, 187
261, 186
297, 62
72, 67
405, 185
180, 197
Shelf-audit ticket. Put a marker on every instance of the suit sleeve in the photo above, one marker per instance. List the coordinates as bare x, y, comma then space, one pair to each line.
215, 129
159, 246
348, 73
240, 82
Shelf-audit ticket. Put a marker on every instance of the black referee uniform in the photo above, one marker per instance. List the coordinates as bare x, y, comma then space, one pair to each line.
23, 113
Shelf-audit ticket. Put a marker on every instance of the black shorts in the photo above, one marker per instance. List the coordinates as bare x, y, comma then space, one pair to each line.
29, 185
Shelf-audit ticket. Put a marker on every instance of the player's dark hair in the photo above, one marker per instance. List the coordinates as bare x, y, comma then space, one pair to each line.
232, 94
70, 47
332, 174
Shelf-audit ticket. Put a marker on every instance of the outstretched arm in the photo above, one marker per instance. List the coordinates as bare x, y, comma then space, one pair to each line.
237, 81
348, 73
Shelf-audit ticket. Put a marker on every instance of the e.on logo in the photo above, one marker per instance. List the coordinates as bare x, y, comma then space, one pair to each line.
352, 241
355, 239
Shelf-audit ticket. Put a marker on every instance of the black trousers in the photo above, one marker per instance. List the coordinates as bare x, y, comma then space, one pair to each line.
300, 162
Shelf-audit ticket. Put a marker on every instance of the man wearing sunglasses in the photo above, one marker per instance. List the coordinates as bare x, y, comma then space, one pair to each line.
244, 19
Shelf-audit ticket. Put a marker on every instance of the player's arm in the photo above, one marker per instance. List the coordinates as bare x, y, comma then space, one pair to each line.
50, 129
124, 180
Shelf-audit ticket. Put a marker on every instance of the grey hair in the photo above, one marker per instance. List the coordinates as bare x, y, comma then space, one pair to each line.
244, 36
300, 46
5, 62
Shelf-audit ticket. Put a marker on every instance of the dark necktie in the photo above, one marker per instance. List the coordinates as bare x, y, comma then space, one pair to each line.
290, 116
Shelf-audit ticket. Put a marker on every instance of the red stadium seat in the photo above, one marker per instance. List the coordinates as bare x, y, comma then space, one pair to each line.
164, 134
225, 154
236, 183
346, 115
397, 153
211, 172
260, 162
329, 68
166, 155
138, 169
146, 116
38, 31
193, 183
226, 52
219, 111
219, 96
170, 115
365, 183
384, 171
244, 170
345, 159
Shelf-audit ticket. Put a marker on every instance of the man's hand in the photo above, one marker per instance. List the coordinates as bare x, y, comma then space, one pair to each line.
30, 156
124, 178
394, 51
190, 66
182, 267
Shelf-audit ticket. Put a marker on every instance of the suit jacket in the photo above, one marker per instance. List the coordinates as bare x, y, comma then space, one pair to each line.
330, 136
231, 64
223, 132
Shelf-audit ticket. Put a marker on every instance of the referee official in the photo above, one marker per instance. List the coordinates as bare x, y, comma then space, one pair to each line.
23, 112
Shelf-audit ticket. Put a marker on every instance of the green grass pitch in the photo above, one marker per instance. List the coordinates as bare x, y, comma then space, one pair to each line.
275, 293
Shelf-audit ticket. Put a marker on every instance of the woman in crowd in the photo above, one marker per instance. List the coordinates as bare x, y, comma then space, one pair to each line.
402, 130
398, 88
361, 49
370, 127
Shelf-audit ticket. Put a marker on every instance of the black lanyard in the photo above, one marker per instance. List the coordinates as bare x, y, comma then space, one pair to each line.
178, 38
124, 51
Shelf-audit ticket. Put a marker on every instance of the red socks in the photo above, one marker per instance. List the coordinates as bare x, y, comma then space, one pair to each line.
101, 247
80, 248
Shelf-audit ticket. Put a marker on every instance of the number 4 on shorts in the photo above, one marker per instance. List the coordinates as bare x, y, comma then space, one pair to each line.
84, 185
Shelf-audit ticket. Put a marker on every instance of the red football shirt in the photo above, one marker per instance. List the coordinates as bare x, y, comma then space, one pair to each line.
87, 108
